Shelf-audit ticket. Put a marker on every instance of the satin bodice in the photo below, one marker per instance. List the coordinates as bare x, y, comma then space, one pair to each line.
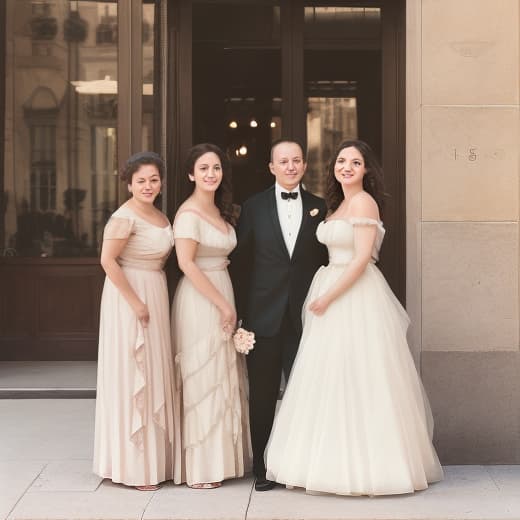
338, 236
214, 245
148, 245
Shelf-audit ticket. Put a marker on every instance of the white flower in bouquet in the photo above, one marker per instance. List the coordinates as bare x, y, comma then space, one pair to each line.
243, 340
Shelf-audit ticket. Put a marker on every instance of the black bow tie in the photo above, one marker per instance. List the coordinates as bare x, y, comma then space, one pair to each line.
289, 195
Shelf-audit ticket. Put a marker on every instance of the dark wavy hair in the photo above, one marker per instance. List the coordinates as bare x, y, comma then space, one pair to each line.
134, 162
373, 182
224, 193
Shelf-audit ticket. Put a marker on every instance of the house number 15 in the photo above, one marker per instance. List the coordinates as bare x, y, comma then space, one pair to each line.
471, 155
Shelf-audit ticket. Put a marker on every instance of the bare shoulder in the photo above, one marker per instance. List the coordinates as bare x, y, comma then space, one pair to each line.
364, 205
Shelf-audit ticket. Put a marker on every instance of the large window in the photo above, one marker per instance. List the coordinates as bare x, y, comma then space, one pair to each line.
67, 111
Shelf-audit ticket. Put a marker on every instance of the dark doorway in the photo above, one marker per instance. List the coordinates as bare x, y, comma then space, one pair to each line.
318, 72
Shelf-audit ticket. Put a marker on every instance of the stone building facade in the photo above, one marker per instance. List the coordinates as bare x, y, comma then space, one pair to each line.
433, 85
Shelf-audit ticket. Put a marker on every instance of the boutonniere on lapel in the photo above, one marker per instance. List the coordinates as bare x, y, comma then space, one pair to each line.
314, 212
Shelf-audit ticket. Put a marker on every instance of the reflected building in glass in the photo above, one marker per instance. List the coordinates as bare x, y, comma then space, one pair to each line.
61, 109
60, 174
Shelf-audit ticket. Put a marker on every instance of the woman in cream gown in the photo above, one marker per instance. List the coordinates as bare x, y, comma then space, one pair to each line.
354, 419
211, 375
137, 432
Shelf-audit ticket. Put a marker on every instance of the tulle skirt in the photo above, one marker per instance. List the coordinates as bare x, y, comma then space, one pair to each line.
354, 419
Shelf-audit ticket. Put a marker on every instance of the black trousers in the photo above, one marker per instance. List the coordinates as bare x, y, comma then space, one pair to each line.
265, 364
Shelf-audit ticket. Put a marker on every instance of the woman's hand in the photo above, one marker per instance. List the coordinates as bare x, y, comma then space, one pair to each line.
228, 318
319, 305
143, 315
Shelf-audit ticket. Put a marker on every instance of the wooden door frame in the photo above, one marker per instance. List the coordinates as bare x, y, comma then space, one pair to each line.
394, 130
179, 103
292, 46
3, 50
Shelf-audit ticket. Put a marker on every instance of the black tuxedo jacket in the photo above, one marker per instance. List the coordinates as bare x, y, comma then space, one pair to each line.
265, 278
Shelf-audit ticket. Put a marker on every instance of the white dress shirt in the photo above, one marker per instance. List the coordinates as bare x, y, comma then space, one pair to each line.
290, 216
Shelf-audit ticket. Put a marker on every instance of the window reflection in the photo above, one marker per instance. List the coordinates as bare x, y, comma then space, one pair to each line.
342, 64
60, 182
329, 23
148, 137
43, 167
329, 122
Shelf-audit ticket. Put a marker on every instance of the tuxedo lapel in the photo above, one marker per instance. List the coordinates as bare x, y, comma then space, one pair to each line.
306, 208
273, 213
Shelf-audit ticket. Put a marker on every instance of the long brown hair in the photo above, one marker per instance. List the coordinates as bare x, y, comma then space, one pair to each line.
372, 180
224, 193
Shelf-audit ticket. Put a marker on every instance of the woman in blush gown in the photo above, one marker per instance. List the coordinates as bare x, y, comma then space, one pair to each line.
137, 433
211, 375
354, 419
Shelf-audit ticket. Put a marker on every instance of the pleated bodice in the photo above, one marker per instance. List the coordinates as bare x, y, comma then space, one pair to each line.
338, 236
148, 245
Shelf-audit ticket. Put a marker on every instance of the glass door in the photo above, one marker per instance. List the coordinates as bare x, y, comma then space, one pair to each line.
342, 83
246, 73
237, 91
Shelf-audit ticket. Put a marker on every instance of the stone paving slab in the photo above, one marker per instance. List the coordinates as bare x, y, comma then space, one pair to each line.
45, 474
453, 499
108, 502
15, 478
46, 429
417, 507
229, 502
507, 478
66, 475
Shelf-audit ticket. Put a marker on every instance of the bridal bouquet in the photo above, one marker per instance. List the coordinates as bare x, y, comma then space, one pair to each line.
243, 340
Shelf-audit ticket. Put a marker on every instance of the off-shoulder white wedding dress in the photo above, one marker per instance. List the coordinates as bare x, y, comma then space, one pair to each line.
354, 419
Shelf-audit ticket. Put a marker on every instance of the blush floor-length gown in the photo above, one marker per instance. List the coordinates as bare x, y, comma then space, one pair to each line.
137, 433
211, 375
354, 419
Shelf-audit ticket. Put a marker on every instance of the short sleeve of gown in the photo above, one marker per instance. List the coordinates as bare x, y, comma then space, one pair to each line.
187, 225
118, 228
364, 221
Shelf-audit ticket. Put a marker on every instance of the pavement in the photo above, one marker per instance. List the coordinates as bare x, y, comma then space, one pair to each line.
45, 473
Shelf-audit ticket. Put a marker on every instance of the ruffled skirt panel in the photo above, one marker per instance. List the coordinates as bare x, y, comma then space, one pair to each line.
137, 432
211, 378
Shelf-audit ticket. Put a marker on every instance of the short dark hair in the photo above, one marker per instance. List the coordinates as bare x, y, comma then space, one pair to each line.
134, 162
274, 144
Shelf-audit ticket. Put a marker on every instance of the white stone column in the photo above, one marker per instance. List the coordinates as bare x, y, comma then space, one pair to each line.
463, 140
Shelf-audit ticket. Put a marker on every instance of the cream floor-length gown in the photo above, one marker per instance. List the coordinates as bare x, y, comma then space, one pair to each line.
354, 419
211, 374
137, 434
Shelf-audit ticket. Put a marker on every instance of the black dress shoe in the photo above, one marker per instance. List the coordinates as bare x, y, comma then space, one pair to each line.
262, 484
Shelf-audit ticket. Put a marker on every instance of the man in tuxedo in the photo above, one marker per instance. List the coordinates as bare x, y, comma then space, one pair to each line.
273, 266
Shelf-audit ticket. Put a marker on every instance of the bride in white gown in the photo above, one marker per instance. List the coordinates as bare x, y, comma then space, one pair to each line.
354, 419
